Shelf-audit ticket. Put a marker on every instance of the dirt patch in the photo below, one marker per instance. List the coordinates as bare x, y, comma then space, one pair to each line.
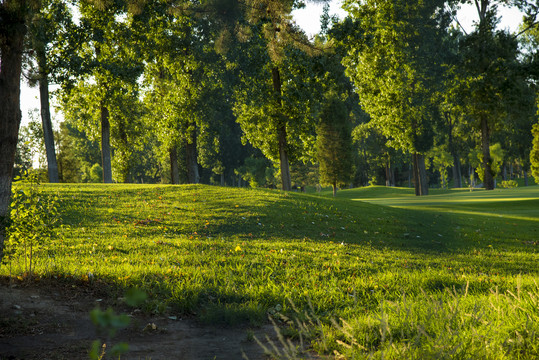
51, 321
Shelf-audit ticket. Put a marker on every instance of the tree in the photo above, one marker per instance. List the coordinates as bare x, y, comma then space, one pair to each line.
105, 87
274, 30
275, 105
490, 57
334, 144
47, 30
395, 63
13, 26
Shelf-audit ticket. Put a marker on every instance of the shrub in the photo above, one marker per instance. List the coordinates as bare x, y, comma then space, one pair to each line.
33, 221
508, 184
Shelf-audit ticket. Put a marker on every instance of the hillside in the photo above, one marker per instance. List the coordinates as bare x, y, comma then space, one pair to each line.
234, 256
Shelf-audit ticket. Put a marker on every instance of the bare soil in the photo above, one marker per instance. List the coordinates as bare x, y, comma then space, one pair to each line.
46, 320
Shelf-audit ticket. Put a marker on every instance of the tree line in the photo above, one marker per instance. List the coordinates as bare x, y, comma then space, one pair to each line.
233, 92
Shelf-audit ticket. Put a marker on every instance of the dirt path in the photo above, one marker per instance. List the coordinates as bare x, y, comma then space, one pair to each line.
52, 322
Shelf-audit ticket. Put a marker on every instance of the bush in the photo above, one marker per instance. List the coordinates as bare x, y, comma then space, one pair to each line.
33, 220
508, 184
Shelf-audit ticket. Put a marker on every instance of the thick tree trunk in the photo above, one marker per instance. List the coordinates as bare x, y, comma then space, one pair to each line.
193, 176
488, 179
286, 180
52, 165
174, 169
12, 33
105, 145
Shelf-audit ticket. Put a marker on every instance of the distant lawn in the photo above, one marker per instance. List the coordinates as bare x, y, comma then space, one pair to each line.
451, 275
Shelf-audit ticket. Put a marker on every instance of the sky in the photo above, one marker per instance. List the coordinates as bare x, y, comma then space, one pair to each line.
309, 19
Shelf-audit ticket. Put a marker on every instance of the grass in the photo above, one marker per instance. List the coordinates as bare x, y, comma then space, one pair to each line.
451, 275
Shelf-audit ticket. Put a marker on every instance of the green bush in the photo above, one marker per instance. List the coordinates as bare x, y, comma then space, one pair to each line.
508, 184
33, 221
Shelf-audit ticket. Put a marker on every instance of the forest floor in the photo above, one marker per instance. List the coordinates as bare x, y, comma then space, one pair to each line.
45, 320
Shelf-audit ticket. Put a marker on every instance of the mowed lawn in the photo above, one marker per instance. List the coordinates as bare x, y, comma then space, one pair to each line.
375, 272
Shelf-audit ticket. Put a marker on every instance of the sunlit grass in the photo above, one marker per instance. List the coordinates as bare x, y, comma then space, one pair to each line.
233, 255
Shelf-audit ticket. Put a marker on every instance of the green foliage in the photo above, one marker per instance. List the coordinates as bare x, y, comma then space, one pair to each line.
108, 323
258, 171
497, 156
394, 62
441, 160
334, 144
534, 154
508, 184
34, 221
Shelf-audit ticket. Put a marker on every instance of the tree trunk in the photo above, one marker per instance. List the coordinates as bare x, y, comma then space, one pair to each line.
416, 175
12, 33
424, 187
488, 179
457, 173
420, 175
105, 145
334, 189
388, 175
174, 170
52, 165
286, 180
191, 158
525, 178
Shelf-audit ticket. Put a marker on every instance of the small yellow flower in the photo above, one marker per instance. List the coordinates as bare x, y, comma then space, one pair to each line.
238, 248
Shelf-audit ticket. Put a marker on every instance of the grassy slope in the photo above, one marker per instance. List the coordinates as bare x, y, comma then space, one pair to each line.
417, 277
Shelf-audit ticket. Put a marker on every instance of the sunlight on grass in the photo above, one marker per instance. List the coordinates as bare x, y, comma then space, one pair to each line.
235, 256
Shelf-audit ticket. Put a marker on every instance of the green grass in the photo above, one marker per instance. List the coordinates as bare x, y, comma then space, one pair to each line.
451, 275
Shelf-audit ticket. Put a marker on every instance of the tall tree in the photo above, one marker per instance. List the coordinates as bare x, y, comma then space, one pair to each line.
110, 67
275, 105
273, 21
13, 27
489, 58
334, 144
395, 64
48, 28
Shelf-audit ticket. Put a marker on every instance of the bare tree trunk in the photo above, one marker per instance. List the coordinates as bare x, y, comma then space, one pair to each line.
334, 189
191, 158
105, 145
286, 180
174, 170
457, 174
420, 175
416, 175
388, 175
12, 33
488, 179
52, 165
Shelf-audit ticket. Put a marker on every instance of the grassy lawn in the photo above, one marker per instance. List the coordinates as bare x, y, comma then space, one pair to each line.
374, 272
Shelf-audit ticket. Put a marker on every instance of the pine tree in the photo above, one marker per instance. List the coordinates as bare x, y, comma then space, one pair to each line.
334, 144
